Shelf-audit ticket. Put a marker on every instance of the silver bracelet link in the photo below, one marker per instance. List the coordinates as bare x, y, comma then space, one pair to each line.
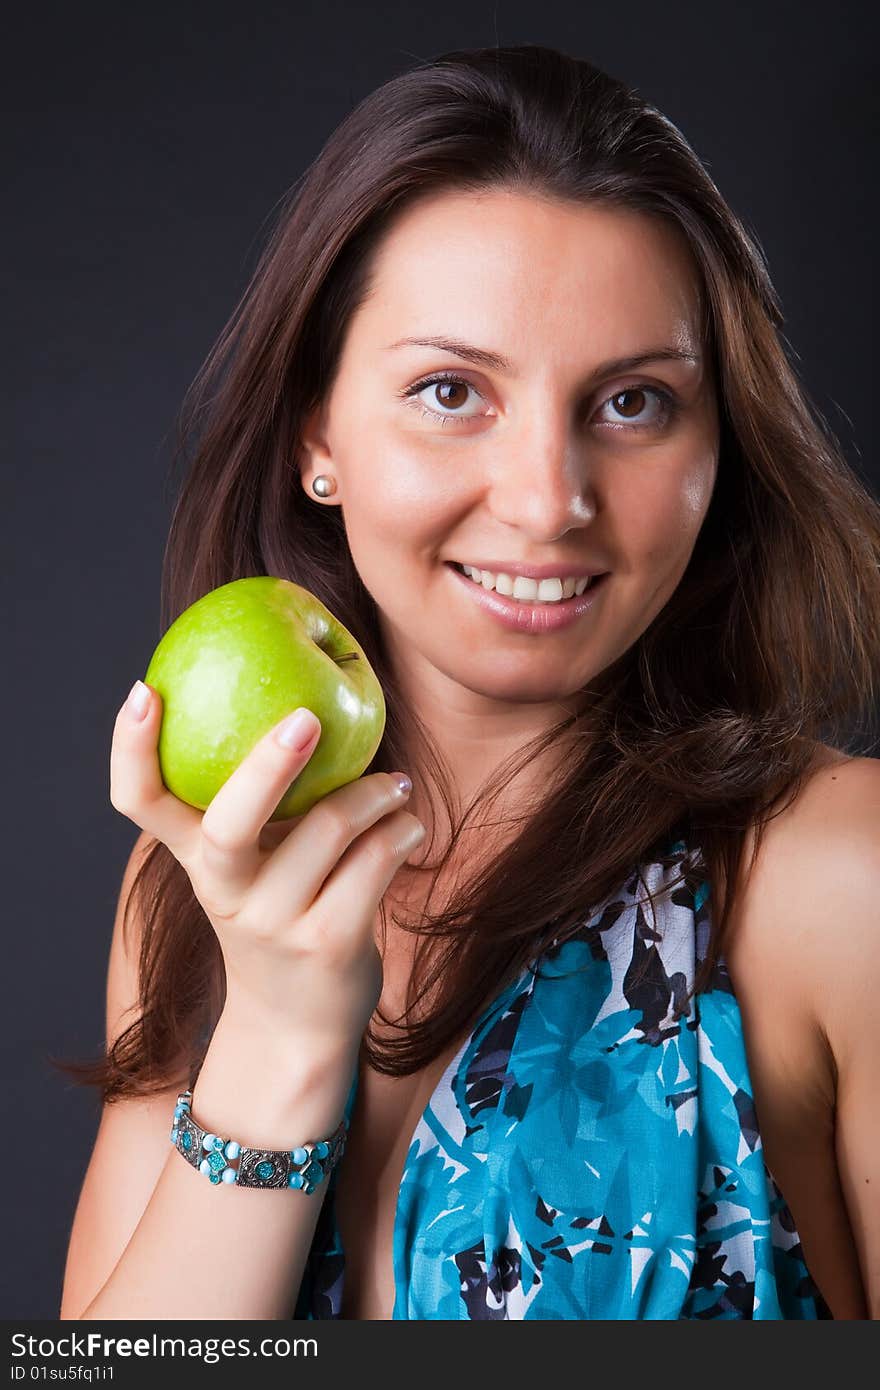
227, 1161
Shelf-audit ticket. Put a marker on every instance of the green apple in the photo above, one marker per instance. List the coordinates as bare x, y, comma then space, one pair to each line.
235, 663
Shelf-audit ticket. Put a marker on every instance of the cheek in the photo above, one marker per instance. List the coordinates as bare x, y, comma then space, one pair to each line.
398, 509
394, 468
658, 512
697, 487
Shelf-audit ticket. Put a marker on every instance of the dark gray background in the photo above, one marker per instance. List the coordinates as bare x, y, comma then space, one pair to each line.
149, 146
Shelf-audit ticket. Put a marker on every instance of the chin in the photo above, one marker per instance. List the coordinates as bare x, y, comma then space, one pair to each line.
513, 682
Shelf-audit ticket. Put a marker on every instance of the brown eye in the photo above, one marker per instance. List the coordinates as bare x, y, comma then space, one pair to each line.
627, 409
451, 393
632, 407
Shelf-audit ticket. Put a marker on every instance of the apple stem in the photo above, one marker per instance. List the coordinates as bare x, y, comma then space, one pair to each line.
347, 656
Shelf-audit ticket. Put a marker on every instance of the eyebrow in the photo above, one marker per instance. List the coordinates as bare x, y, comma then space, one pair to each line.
482, 357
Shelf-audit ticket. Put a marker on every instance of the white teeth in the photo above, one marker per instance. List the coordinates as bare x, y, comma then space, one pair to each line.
540, 590
528, 590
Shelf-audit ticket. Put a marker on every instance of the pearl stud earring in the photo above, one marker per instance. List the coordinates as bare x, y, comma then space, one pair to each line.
324, 485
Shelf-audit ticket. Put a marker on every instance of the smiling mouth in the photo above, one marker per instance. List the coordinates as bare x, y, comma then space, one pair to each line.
529, 617
519, 589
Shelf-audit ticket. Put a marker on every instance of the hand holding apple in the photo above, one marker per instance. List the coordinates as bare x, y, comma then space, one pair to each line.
237, 661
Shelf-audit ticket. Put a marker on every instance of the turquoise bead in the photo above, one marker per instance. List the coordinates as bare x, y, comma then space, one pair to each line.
299, 1155
295, 1180
187, 1139
232, 1149
204, 1168
208, 1141
322, 1149
218, 1142
228, 1175
265, 1170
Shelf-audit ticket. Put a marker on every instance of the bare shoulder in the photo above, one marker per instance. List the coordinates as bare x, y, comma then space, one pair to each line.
809, 912
804, 956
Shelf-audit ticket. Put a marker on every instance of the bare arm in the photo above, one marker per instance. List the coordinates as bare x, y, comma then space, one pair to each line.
804, 953
108, 1210
849, 1009
146, 1221
295, 926
206, 1251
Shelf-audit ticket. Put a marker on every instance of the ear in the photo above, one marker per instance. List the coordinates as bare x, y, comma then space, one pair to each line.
314, 454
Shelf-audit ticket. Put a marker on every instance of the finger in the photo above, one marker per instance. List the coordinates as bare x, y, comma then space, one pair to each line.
136, 787
296, 870
231, 850
348, 900
275, 831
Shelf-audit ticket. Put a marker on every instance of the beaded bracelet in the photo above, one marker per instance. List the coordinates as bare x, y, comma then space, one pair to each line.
303, 1167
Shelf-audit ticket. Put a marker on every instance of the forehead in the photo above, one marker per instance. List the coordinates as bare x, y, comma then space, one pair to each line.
504, 265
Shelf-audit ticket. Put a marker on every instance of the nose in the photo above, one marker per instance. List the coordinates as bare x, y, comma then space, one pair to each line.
540, 481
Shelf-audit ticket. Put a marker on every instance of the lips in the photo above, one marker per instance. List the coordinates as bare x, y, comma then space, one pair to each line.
560, 569
575, 583
531, 618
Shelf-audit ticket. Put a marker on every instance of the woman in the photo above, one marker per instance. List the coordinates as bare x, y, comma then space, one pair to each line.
508, 394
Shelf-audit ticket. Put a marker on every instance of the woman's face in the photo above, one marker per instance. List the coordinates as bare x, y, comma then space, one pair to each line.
547, 458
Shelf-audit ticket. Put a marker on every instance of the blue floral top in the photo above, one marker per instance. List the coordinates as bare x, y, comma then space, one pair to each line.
592, 1151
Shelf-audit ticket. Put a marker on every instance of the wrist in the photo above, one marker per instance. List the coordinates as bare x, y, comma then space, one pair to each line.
246, 1026
271, 1094
223, 1159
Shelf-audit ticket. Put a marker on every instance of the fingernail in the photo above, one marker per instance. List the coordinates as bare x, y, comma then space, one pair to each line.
138, 700
404, 782
298, 730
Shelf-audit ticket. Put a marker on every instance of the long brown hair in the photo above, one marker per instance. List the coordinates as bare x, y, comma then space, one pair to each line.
768, 646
